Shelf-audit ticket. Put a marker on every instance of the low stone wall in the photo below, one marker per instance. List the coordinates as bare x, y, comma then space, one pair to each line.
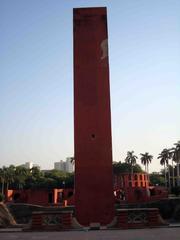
51, 220
138, 218
23, 212
169, 208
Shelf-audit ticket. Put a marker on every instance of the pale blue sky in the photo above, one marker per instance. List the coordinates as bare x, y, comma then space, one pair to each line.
36, 80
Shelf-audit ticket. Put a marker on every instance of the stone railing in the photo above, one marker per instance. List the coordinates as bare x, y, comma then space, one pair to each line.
126, 218
138, 218
51, 220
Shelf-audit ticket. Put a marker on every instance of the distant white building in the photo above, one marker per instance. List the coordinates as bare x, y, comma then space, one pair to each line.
66, 166
29, 165
37, 166
69, 165
60, 165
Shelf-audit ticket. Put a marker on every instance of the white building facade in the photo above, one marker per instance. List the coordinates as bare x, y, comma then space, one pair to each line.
66, 166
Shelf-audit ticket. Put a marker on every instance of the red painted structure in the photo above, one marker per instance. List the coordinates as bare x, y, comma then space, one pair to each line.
135, 188
94, 200
42, 197
126, 180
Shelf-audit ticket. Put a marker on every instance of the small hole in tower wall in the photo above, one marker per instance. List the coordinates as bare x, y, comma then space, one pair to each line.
93, 136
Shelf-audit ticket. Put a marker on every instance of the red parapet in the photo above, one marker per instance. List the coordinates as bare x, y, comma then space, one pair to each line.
94, 201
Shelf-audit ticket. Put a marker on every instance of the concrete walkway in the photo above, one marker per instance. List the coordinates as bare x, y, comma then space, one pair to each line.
136, 234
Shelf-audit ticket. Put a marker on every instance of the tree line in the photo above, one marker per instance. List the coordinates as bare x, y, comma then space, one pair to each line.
171, 171
19, 177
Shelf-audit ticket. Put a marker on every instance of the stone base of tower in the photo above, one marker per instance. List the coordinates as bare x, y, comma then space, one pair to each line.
131, 218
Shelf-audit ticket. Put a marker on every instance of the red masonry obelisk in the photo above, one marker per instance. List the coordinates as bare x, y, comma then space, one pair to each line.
94, 201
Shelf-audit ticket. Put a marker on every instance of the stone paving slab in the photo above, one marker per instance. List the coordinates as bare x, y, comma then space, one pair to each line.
10, 230
174, 225
131, 234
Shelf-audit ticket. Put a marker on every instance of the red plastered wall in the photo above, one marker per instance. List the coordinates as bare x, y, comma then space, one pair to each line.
94, 201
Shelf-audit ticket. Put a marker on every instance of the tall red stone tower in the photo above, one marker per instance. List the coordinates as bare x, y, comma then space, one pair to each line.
94, 200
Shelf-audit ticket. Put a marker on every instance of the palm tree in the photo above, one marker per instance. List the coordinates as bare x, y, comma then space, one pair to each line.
9, 173
164, 157
5, 172
176, 157
131, 159
35, 173
72, 160
163, 162
21, 175
2, 179
146, 158
172, 156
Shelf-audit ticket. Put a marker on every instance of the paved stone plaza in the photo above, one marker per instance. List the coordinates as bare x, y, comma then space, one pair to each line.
137, 234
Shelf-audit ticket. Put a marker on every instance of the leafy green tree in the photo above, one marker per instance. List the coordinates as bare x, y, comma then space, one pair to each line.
69, 181
61, 178
1, 197
137, 168
176, 158
124, 167
2, 180
48, 183
9, 175
5, 174
156, 179
35, 172
21, 174
172, 155
176, 190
